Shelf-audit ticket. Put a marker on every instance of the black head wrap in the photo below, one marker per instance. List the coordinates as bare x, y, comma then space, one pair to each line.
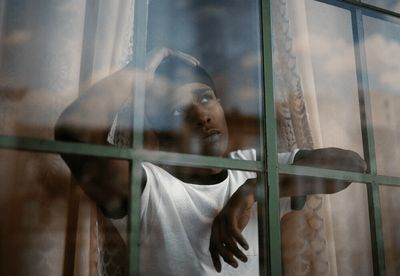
179, 70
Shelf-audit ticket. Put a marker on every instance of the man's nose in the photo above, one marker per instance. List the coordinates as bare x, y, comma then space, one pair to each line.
200, 115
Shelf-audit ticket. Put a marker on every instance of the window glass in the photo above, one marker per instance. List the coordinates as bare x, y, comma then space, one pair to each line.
48, 65
188, 215
329, 234
315, 81
224, 38
351, 230
334, 71
382, 43
47, 220
317, 106
39, 64
390, 227
392, 5
33, 200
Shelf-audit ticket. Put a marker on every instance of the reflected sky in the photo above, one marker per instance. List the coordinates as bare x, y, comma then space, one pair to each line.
382, 47
223, 35
333, 49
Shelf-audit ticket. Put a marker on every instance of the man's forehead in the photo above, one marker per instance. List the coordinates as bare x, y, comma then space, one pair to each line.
166, 91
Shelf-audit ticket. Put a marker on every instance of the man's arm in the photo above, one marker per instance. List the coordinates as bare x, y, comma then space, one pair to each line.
228, 225
88, 120
327, 158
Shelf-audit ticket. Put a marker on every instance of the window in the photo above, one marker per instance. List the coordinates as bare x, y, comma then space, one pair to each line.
289, 74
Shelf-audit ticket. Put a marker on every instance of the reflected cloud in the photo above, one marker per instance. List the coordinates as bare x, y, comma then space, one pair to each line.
246, 97
250, 60
337, 58
337, 54
17, 37
383, 64
70, 7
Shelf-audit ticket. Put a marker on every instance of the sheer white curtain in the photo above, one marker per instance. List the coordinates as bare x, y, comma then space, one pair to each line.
48, 50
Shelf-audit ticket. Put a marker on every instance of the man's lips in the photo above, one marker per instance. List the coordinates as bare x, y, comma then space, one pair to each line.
211, 136
210, 133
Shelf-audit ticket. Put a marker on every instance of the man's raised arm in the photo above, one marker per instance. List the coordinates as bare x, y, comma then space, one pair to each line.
88, 120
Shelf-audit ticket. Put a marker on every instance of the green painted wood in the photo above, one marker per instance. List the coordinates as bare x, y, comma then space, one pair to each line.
50, 146
339, 175
272, 192
370, 7
377, 243
368, 143
168, 158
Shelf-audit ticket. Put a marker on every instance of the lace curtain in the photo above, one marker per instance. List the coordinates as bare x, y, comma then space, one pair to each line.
316, 240
304, 249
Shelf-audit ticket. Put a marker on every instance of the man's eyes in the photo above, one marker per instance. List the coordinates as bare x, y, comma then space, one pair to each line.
205, 98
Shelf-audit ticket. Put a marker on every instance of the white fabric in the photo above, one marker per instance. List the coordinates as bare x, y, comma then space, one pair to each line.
176, 220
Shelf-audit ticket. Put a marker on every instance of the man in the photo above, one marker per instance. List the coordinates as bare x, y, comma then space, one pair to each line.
190, 217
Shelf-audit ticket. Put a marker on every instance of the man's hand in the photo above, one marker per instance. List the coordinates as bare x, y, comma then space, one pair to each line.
327, 158
228, 225
331, 158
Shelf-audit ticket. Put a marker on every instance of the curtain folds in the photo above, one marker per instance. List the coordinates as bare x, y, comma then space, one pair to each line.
304, 238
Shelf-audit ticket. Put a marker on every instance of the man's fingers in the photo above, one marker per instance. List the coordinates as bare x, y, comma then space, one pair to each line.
241, 240
232, 247
227, 256
215, 258
214, 242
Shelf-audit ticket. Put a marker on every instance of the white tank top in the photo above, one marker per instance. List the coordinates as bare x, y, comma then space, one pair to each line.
176, 219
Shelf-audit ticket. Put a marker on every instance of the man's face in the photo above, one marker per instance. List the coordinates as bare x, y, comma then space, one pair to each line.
195, 119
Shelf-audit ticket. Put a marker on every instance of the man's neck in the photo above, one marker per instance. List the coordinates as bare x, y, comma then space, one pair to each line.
202, 176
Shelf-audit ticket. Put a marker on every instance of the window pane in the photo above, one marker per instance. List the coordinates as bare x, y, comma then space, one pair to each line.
39, 64
329, 235
390, 227
187, 210
382, 43
51, 56
46, 220
392, 5
318, 107
225, 38
33, 203
315, 77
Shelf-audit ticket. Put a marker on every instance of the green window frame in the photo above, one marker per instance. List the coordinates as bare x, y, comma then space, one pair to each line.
268, 167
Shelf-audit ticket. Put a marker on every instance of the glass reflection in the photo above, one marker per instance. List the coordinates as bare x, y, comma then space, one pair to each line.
382, 43
317, 107
198, 215
35, 197
199, 81
224, 37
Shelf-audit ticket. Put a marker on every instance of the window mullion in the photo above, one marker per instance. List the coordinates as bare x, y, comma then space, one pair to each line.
272, 220
50, 146
139, 65
368, 142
